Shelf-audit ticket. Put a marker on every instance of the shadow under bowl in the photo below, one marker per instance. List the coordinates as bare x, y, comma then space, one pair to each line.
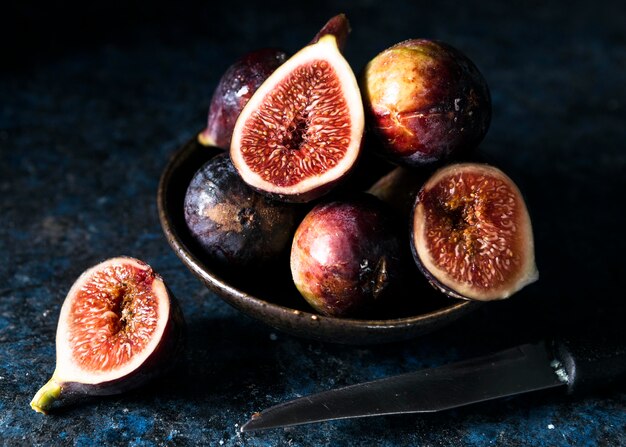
277, 302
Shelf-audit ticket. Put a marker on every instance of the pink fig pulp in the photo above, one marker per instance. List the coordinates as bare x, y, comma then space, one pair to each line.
119, 326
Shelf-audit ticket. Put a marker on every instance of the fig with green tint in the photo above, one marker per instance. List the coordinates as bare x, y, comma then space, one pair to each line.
426, 102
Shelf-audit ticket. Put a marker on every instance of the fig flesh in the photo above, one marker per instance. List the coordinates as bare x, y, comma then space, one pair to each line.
426, 102
345, 257
233, 91
119, 326
235, 225
300, 133
471, 233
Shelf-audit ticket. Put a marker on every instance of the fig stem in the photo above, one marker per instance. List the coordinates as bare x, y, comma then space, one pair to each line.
46, 396
205, 138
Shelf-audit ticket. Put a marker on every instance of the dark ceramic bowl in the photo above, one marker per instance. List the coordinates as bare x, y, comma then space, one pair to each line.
275, 301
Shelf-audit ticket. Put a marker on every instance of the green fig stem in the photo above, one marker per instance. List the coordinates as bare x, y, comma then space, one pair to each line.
46, 396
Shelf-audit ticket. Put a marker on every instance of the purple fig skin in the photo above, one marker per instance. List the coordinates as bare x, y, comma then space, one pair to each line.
346, 256
233, 224
339, 27
432, 280
426, 102
233, 91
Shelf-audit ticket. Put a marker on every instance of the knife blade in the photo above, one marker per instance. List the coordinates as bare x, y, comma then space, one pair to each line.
573, 364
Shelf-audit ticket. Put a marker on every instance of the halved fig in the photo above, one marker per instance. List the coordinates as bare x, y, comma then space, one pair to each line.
300, 133
235, 88
119, 326
471, 233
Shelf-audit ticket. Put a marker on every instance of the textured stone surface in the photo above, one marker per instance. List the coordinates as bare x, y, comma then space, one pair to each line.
85, 134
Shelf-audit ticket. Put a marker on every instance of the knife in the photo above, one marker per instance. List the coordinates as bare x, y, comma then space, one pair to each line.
574, 364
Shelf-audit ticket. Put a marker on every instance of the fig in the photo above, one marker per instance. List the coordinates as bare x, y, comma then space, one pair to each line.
426, 102
233, 224
346, 256
398, 189
300, 133
471, 233
233, 91
119, 326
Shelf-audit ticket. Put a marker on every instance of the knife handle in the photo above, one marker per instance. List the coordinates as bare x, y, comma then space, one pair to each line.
592, 361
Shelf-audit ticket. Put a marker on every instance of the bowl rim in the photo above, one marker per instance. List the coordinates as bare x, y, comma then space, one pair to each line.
238, 298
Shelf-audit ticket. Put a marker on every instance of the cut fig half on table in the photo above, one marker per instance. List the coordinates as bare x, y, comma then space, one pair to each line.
300, 133
119, 326
471, 233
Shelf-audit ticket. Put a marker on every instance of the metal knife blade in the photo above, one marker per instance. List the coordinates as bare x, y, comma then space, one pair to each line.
518, 370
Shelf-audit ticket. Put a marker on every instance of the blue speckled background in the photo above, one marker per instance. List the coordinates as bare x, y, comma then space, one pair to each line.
95, 98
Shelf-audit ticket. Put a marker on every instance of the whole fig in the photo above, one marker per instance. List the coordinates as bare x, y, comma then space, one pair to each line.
346, 256
234, 225
234, 90
426, 102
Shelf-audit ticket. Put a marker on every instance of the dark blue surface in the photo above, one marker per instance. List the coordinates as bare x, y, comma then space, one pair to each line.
88, 120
